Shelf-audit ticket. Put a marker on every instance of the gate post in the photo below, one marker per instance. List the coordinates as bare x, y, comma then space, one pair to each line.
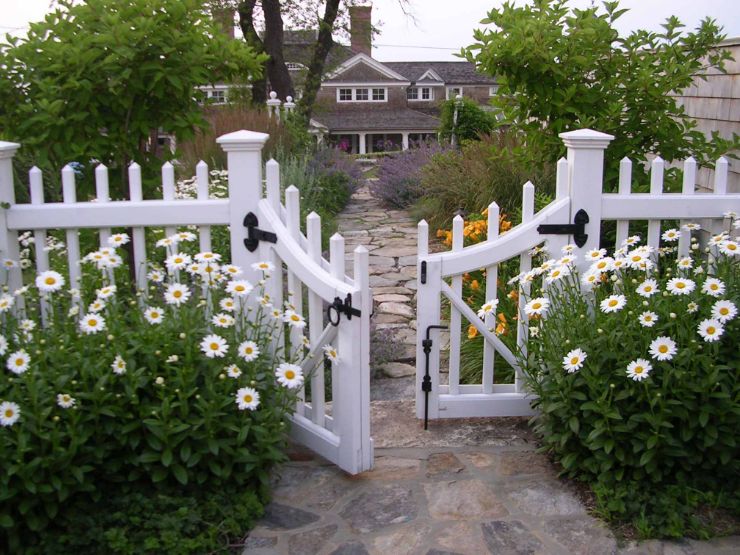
585, 181
244, 160
9, 239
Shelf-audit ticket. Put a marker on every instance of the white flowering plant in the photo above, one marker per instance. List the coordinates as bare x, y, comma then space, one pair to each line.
186, 383
634, 361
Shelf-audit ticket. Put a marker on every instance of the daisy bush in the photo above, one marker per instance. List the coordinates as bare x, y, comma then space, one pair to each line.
635, 363
187, 383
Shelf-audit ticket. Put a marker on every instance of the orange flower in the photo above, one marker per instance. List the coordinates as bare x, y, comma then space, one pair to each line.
501, 329
474, 285
472, 331
501, 317
513, 295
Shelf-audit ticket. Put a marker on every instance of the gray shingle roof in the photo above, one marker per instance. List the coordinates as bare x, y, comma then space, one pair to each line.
452, 73
377, 119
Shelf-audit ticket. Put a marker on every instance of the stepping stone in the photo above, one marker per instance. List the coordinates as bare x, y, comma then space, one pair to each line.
443, 463
392, 298
510, 538
351, 548
397, 309
377, 508
284, 517
396, 251
463, 499
581, 536
381, 260
392, 290
398, 370
311, 542
546, 499
381, 281
389, 319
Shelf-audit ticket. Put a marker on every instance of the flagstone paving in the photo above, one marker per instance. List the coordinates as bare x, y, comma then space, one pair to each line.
463, 487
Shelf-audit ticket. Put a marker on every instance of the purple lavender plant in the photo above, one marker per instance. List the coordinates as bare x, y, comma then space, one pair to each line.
399, 175
333, 161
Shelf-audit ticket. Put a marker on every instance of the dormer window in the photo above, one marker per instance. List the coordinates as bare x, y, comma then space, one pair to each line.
362, 94
419, 93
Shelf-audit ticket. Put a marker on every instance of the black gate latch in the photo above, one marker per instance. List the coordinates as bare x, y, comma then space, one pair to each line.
577, 229
342, 307
255, 235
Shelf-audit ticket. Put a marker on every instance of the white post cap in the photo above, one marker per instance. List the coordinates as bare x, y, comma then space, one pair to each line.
8, 150
586, 138
242, 140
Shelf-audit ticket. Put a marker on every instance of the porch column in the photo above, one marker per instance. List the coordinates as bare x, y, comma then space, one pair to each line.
363, 148
405, 141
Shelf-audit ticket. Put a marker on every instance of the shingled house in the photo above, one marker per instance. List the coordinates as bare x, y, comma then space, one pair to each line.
368, 106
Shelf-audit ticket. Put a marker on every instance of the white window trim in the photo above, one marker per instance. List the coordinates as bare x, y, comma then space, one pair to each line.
419, 94
448, 92
493, 90
369, 95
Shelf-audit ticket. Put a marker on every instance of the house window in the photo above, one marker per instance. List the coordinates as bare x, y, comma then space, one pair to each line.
379, 95
361, 95
419, 93
345, 95
492, 90
452, 92
217, 97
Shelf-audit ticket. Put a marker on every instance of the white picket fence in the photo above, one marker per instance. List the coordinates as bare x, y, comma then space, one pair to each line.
579, 187
343, 436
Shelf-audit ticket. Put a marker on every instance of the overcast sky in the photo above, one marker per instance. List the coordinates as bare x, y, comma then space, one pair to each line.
443, 26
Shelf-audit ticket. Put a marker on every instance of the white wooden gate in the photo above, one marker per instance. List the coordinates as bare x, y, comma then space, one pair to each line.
579, 187
343, 436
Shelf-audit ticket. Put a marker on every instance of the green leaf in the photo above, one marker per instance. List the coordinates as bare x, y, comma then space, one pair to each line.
167, 457
574, 424
180, 474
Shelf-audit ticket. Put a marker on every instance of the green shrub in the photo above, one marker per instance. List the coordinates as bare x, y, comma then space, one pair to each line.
480, 173
640, 422
472, 121
114, 396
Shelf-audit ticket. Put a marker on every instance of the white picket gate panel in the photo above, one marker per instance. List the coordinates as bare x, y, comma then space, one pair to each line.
579, 186
343, 436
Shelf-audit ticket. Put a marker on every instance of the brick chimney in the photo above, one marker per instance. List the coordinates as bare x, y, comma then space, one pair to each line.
360, 29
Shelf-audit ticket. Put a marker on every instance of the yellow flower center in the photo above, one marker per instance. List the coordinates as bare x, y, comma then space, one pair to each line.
636, 258
248, 350
574, 360
724, 311
155, 315
177, 294
92, 322
214, 346
613, 302
19, 361
536, 306
648, 318
289, 374
680, 285
714, 287
663, 349
50, 281
295, 317
247, 398
239, 288
731, 247
711, 330
9, 413
648, 288
639, 369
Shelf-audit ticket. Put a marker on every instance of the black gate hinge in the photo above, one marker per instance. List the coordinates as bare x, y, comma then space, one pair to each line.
342, 307
255, 235
577, 229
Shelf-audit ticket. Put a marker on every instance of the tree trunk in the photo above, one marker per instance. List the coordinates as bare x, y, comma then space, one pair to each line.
277, 71
246, 23
318, 60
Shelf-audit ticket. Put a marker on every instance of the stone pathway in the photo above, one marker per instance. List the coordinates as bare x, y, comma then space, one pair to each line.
463, 487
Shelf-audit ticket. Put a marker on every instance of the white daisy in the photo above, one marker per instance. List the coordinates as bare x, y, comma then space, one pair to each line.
680, 286
566, 260
177, 261
6, 302
289, 375
294, 319
631, 241
247, 398
647, 288
710, 330
154, 315
635, 258
264, 266
214, 346
713, 287
557, 273
65, 400
232, 270
275, 313
691, 226
96, 306
18, 362
591, 279
516, 278
106, 292
489, 307
537, 306
27, 325
716, 240
118, 239
194, 268
331, 353
574, 360
113, 261
249, 351
595, 254
156, 276
233, 371
92, 323
663, 348
619, 264
227, 304
639, 369
671, 235
548, 265
9, 263
724, 311
222, 320
265, 301
692, 307
239, 288
685, 263
166, 242
730, 214
613, 303
648, 318
207, 257
730, 248
186, 236
119, 365
49, 281
736, 224
176, 294
9, 413
569, 248
3, 345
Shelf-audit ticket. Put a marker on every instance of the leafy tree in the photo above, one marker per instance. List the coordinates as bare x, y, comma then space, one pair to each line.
98, 79
563, 69
472, 120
